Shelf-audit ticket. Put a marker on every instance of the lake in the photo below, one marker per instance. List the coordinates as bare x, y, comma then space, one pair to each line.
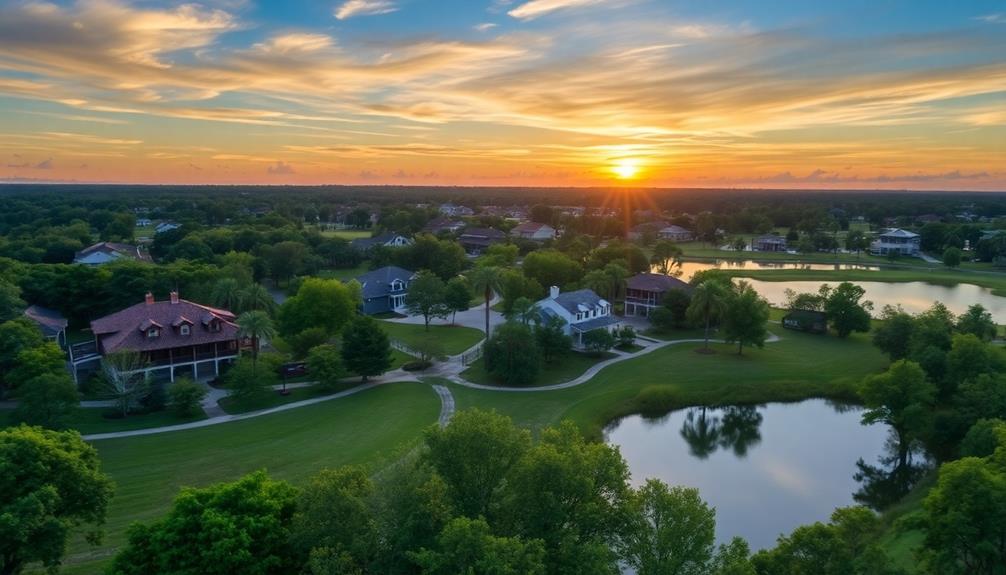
914, 297
766, 469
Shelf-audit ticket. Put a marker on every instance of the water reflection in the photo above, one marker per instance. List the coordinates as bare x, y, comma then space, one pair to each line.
914, 297
766, 469
734, 428
899, 469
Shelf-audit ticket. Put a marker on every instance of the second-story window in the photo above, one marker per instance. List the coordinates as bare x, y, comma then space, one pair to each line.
184, 329
152, 333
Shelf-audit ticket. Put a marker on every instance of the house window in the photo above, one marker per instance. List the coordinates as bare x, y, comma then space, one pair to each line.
579, 316
184, 329
396, 285
594, 313
152, 333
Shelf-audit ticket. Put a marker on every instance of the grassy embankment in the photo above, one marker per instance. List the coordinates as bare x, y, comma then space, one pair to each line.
573, 365
372, 428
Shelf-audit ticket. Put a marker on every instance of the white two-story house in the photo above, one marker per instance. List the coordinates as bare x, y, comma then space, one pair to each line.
896, 241
583, 310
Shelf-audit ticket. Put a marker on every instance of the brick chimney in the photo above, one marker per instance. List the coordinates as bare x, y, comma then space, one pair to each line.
174, 297
149, 298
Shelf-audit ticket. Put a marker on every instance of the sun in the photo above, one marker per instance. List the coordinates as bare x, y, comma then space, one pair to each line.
626, 168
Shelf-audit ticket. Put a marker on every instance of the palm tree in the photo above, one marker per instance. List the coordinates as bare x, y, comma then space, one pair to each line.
702, 434
709, 301
485, 279
256, 297
616, 276
227, 294
524, 310
256, 325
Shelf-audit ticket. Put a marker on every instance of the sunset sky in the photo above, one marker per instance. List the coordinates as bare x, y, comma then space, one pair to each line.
854, 94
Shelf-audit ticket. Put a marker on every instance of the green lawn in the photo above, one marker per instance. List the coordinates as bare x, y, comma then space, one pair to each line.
569, 367
91, 420
273, 399
344, 274
800, 366
371, 428
454, 338
347, 234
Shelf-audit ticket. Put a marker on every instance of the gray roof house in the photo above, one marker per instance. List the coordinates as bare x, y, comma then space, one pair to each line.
896, 241
104, 252
477, 240
389, 239
385, 289
644, 292
582, 310
51, 323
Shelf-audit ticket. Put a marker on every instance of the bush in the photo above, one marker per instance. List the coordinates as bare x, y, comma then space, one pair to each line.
418, 365
511, 354
157, 398
302, 343
185, 397
626, 336
598, 341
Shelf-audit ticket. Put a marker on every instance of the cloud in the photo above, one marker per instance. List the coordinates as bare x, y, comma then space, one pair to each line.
993, 18
280, 168
485, 26
535, 8
21, 165
352, 8
44, 165
824, 176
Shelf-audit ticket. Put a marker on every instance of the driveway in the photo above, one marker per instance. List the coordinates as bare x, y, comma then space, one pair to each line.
474, 318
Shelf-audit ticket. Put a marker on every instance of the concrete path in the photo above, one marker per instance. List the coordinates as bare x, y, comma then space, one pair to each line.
592, 371
446, 404
473, 318
390, 377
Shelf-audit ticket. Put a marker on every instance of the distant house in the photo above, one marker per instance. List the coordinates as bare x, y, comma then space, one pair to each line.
166, 227
453, 210
533, 231
444, 225
582, 310
637, 232
644, 292
896, 241
675, 234
806, 320
142, 222
51, 323
770, 243
928, 219
104, 252
477, 240
174, 337
385, 289
389, 239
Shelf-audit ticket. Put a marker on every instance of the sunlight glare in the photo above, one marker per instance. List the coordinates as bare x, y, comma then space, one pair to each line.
626, 168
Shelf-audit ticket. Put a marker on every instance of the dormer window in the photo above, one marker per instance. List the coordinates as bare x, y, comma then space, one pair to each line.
215, 324
184, 329
396, 285
153, 332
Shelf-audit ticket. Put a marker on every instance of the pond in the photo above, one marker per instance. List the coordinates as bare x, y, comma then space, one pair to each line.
767, 469
914, 297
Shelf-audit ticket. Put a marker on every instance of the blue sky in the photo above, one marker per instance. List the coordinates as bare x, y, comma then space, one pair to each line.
521, 92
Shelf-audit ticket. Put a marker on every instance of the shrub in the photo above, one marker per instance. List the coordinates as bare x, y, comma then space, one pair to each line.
598, 341
185, 397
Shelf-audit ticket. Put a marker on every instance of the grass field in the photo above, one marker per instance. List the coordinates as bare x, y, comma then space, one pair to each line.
569, 367
454, 338
92, 420
347, 234
800, 366
371, 428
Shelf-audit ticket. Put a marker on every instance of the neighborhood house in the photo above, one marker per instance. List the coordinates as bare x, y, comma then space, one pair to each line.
174, 338
385, 289
582, 310
390, 240
675, 234
533, 231
769, 244
896, 241
477, 240
104, 252
644, 292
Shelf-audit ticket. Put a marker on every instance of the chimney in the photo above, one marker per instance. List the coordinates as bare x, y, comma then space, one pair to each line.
553, 292
149, 298
174, 297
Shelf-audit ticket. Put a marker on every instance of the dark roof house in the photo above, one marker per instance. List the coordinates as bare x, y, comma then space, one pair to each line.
389, 239
385, 289
476, 240
104, 252
49, 321
645, 291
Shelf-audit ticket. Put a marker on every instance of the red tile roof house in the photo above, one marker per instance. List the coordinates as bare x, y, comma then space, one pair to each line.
175, 337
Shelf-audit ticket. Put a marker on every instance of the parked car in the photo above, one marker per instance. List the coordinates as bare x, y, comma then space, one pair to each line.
293, 369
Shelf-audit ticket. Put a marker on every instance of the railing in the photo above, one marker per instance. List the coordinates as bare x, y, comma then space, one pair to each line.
472, 355
396, 344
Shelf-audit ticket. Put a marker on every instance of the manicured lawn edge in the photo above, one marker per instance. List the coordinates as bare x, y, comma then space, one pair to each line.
566, 369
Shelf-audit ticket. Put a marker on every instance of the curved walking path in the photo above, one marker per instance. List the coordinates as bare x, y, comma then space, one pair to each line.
450, 370
592, 370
